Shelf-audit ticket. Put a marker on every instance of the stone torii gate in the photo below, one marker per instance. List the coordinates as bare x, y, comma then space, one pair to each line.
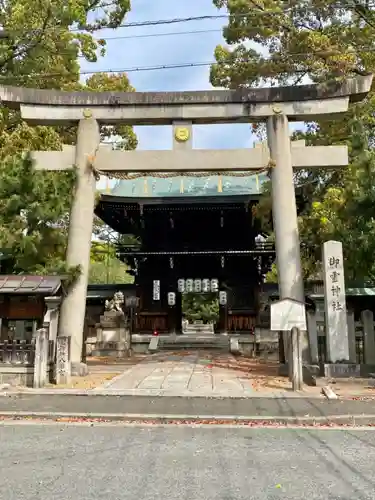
276, 106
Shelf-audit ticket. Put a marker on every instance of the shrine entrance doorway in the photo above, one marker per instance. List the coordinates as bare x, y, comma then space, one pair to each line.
191, 244
202, 306
200, 312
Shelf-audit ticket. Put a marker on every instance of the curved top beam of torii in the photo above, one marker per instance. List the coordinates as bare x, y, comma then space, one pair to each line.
208, 106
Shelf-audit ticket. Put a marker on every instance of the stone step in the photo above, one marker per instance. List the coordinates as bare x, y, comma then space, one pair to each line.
199, 329
201, 342
188, 347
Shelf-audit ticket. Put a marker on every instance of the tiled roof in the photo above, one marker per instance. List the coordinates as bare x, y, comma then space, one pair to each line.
23, 284
155, 187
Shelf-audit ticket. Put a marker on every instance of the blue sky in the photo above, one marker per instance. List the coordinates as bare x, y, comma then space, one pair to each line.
173, 49
130, 49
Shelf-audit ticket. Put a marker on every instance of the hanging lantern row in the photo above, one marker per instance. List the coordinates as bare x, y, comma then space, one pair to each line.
172, 295
197, 285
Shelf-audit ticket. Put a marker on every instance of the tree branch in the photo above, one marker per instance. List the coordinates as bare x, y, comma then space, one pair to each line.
320, 55
26, 50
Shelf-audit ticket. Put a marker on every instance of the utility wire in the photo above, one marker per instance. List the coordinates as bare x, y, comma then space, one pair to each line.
160, 67
159, 22
193, 64
209, 17
155, 35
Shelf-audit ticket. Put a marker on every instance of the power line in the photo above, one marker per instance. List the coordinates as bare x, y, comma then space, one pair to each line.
122, 70
152, 35
182, 20
212, 17
180, 65
117, 70
139, 24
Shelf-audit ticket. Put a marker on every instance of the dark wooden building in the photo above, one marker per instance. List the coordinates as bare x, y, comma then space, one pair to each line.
191, 228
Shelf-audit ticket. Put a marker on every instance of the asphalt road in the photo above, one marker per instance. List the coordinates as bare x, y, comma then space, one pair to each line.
112, 462
260, 407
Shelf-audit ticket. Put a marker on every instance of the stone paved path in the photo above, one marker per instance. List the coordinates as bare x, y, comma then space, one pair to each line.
192, 374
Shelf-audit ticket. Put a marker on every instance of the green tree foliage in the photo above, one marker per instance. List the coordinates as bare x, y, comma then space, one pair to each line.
200, 306
288, 43
47, 36
32, 228
346, 213
124, 134
288, 40
105, 267
41, 45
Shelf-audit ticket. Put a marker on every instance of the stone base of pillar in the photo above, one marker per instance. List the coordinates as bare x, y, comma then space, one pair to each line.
341, 370
111, 349
79, 369
309, 372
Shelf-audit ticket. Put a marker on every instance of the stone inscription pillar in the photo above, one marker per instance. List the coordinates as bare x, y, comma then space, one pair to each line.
335, 303
79, 242
284, 212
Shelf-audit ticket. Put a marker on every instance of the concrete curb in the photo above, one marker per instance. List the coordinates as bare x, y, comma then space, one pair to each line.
329, 420
158, 393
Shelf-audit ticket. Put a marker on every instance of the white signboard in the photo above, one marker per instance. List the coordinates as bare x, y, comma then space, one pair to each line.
171, 298
214, 285
206, 285
156, 290
222, 298
181, 285
189, 285
197, 286
287, 314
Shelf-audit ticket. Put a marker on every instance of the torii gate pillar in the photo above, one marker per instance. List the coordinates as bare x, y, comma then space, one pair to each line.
285, 222
72, 315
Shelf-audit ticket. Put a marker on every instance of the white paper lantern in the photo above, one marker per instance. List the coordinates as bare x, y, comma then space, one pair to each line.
206, 286
214, 285
181, 285
222, 298
189, 285
171, 298
197, 286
